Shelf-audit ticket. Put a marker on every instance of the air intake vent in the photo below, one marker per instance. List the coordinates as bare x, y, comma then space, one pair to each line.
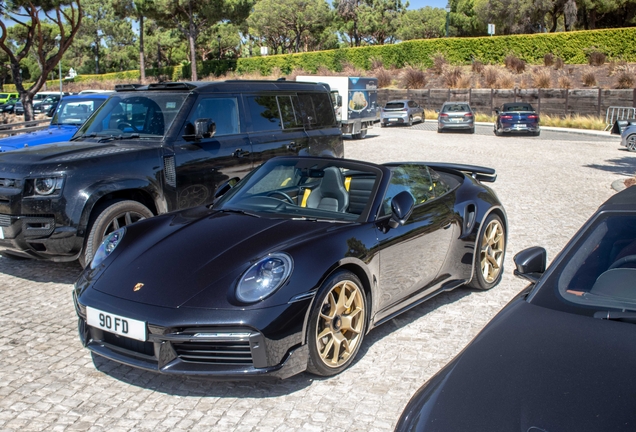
169, 171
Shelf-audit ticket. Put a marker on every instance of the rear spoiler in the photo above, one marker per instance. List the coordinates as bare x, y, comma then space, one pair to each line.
480, 173
620, 125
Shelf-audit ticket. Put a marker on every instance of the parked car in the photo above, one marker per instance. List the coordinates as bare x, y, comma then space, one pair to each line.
558, 357
40, 96
152, 149
9, 106
627, 130
517, 117
4, 97
72, 113
48, 103
401, 112
290, 268
456, 116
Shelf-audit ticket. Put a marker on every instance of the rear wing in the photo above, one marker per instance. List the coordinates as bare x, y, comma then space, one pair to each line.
480, 173
621, 125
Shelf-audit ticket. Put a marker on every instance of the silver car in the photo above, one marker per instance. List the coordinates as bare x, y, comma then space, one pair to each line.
628, 137
456, 116
401, 112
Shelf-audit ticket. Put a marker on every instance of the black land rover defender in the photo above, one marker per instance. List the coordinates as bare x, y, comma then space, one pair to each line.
149, 150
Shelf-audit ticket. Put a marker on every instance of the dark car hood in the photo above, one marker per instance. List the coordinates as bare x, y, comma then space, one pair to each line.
177, 261
51, 135
534, 369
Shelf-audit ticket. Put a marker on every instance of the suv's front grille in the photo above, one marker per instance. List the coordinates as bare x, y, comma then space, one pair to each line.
5, 220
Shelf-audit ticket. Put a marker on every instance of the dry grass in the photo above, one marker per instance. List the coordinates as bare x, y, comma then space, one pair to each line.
413, 78
477, 67
630, 182
564, 82
515, 64
625, 80
541, 78
559, 63
548, 60
589, 78
596, 58
574, 121
452, 76
490, 76
349, 69
385, 77
439, 63
505, 81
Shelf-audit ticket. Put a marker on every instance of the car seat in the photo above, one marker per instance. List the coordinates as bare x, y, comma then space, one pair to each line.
331, 194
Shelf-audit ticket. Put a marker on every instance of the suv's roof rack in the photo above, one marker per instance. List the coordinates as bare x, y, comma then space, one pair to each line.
127, 87
171, 86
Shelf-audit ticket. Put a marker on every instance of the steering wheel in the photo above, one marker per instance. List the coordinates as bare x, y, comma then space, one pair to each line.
284, 195
123, 125
625, 260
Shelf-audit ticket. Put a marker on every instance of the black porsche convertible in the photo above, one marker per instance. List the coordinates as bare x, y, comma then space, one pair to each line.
558, 357
290, 267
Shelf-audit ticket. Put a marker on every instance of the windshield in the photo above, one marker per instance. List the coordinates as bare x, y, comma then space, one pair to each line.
600, 269
75, 112
305, 188
146, 115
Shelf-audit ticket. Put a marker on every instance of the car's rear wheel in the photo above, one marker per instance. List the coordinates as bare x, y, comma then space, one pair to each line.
497, 132
491, 251
472, 130
362, 134
337, 324
107, 218
410, 123
631, 143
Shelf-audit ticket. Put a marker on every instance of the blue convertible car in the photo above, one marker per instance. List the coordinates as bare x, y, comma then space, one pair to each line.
70, 115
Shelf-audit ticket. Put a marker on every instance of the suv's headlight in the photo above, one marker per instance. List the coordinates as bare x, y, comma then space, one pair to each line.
44, 186
264, 277
108, 246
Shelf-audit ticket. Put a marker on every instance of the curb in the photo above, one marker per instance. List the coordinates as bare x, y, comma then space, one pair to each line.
605, 134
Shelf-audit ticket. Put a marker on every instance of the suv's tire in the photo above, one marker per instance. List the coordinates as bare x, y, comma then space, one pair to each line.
331, 318
107, 218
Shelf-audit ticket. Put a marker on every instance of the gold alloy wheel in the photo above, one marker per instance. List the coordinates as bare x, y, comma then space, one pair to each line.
492, 251
340, 323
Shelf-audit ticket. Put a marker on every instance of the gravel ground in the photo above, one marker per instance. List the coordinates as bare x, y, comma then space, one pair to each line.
549, 186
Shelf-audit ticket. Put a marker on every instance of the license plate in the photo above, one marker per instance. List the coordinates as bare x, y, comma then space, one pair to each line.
520, 125
393, 119
116, 324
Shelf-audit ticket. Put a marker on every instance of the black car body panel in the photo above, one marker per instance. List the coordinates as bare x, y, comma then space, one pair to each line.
517, 117
179, 272
557, 357
141, 146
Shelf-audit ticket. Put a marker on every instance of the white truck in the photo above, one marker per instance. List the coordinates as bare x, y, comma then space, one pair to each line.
355, 101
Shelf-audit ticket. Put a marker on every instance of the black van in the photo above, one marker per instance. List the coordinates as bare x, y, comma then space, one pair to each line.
149, 150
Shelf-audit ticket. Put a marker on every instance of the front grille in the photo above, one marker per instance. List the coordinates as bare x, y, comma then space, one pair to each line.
146, 348
9, 183
230, 353
5, 220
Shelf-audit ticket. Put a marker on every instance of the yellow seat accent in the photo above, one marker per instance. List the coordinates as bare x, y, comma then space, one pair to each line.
347, 183
287, 180
305, 196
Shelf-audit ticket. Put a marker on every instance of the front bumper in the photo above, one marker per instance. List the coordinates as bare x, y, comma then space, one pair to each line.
37, 236
221, 344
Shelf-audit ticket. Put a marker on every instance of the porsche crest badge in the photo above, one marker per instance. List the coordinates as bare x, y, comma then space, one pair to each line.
138, 286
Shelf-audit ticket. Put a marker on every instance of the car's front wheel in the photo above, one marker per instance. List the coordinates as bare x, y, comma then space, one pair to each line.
491, 251
631, 143
107, 218
337, 324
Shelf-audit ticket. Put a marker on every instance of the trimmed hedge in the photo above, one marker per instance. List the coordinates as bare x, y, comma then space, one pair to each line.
572, 47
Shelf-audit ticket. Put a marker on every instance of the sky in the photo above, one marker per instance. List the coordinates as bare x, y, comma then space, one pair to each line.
418, 4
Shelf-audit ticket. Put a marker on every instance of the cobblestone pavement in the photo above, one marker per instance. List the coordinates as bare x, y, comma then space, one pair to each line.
49, 382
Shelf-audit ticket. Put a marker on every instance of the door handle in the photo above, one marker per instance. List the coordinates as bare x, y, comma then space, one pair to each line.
293, 146
239, 153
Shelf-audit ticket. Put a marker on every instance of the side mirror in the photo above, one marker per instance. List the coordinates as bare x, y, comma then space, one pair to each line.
339, 100
225, 186
531, 263
401, 208
204, 128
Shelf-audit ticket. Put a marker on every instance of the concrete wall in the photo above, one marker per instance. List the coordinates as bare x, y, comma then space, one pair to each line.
545, 101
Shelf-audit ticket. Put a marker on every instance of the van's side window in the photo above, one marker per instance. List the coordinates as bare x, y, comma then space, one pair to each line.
222, 111
318, 108
290, 111
264, 113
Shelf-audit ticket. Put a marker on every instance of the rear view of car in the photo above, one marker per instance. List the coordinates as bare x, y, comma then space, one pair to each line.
401, 112
517, 117
456, 116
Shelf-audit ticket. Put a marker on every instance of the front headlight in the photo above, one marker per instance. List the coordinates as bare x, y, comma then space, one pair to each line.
108, 246
47, 185
264, 277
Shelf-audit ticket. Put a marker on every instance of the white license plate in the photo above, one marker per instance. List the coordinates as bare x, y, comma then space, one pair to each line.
393, 119
520, 125
112, 323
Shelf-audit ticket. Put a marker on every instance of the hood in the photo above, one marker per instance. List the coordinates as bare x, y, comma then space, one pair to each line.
51, 135
59, 153
177, 259
534, 369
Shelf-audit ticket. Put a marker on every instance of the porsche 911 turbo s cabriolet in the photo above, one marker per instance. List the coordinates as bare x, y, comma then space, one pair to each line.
558, 357
290, 267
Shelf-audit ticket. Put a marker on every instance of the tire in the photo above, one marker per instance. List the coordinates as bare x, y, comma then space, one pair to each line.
490, 254
329, 322
472, 131
440, 130
497, 132
382, 124
362, 134
410, 122
107, 218
631, 143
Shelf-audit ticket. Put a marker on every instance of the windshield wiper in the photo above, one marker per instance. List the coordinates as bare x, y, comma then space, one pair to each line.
118, 137
90, 135
243, 212
629, 317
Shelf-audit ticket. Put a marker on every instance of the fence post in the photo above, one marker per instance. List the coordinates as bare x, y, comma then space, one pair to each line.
492, 94
634, 98
567, 101
428, 99
470, 96
514, 93
449, 96
598, 110
539, 101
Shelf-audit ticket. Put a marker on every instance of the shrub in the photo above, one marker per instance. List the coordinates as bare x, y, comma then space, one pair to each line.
376, 63
491, 74
349, 69
559, 63
439, 62
541, 78
514, 64
413, 78
477, 67
589, 79
505, 81
548, 59
625, 80
384, 77
452, 76
564, 82
596, 58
